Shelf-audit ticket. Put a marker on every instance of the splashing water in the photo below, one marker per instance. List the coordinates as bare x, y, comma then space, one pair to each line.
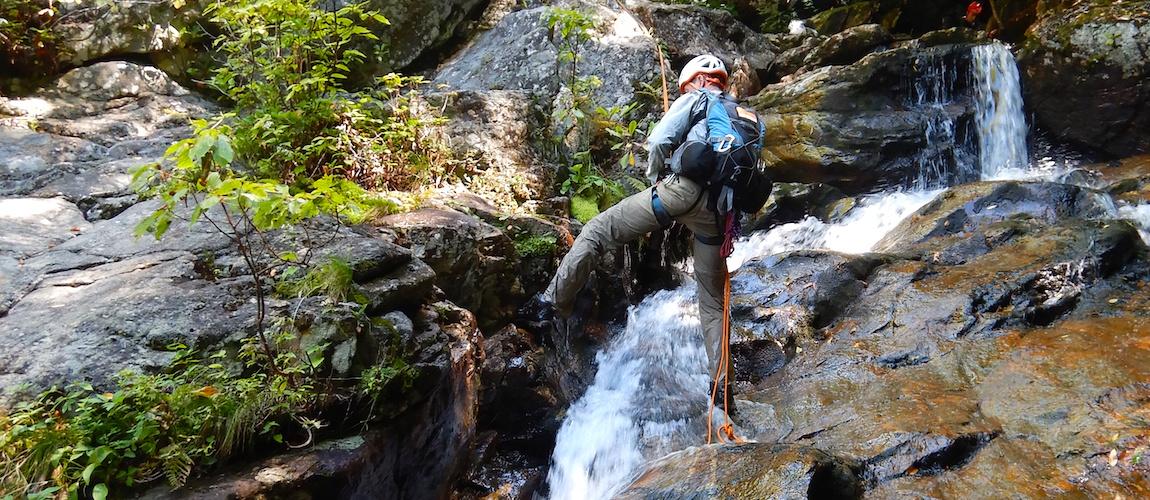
865, 225
652, 379
1140, 214
1001, 125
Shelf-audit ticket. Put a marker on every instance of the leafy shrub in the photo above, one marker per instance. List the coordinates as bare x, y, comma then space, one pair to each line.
78, 441
28, 45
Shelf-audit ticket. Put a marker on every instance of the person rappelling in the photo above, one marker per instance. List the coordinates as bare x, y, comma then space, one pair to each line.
703, 165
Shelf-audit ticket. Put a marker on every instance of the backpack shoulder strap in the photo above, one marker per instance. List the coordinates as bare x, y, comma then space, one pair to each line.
699, 109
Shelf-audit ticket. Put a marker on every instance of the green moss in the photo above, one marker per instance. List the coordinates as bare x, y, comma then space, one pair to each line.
534, 245
583, 208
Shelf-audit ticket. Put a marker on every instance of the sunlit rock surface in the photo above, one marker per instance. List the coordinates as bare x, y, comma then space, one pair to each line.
1086, 69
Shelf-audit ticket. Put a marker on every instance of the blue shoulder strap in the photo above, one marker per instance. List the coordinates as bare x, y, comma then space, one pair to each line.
720, 131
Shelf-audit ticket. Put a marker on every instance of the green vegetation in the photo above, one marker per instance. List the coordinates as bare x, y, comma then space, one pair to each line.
332, 278
300, 142
79, 442
591, 135
27, 43
535, 245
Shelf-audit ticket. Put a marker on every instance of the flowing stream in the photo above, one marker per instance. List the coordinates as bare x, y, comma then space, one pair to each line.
649, 396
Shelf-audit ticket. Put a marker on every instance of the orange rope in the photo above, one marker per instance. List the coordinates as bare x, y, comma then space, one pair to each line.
726, 432
662, 75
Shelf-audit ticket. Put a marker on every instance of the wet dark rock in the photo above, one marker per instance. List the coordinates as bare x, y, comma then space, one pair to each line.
791, 202
750, 470
1085, 68
859, 128
971, 207
848, 46
474, 262
968, 363
517, 406
787, 296
835, 20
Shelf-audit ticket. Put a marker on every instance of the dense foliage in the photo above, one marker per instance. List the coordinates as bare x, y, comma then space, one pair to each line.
299, 142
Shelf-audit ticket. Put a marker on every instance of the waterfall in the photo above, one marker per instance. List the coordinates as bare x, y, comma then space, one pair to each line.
1000, 124
649, 396
652, 380
1140, 215
947, 157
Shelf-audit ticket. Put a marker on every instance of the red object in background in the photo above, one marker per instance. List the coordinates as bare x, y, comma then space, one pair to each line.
973, 10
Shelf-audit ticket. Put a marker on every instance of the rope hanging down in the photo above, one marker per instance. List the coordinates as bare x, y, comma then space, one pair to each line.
726, 432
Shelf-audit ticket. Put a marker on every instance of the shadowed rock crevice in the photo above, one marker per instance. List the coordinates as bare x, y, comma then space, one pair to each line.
833, 481
960, 452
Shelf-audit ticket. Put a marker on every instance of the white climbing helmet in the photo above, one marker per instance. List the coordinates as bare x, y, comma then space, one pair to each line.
707, 64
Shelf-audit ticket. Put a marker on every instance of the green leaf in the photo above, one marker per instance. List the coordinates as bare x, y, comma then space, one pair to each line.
222, 154
99, 454
87, 474
203, 143
100, 492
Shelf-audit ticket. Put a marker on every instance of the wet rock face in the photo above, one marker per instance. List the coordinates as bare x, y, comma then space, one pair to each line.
1085, 73
750, 470
859, 127
979, 355
973, 206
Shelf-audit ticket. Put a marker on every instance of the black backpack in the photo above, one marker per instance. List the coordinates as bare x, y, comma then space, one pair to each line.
727, 164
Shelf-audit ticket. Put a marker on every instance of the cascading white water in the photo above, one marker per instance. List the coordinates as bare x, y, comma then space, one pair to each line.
649, 393
948, 156
1000, 123
1140, 214
865, 225
652, 380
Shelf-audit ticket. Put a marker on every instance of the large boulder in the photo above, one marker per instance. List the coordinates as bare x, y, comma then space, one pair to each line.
995, 337
751, 470
474, 262
80, 137
1085, 69
140, 296
79, 32
522, 53
870, 124
415, 452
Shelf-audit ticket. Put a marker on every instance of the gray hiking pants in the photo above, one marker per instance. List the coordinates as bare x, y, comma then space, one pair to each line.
629, 220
